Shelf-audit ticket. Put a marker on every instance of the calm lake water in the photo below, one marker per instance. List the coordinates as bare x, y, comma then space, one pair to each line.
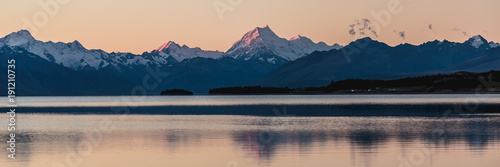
151, 134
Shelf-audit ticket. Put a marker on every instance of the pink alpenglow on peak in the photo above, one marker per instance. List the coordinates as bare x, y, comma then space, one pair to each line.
264, 42
296, 38
258, 34
167, 45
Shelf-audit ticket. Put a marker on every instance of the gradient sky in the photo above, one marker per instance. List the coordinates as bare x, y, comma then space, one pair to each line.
143, 25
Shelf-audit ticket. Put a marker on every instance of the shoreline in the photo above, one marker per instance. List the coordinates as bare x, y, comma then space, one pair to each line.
425, 110
291, 94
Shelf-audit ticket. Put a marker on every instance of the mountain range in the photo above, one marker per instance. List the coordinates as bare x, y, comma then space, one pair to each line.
179, 53
260, 57
377, 60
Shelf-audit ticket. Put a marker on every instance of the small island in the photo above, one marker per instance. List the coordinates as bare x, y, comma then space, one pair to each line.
176, 92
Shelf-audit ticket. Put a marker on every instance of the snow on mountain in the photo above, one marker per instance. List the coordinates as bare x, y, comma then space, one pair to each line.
477, 41
19, 38
264, 43
73, 55
180, 53
494, 45
307, 44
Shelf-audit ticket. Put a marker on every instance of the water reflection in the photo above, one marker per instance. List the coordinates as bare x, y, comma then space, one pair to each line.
365, 141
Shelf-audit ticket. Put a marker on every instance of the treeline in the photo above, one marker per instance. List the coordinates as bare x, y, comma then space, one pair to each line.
176, 92
249, 90
456, 82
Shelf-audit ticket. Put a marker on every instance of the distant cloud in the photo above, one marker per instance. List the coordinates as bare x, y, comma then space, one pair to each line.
401, 34
428, 27
363, 27
352, 32
465, 33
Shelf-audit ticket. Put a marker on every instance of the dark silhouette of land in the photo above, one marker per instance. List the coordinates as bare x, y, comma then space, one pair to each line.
176, 92
459, 82
250, 90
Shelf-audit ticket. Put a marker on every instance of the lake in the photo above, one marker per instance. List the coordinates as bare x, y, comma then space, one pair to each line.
459, 130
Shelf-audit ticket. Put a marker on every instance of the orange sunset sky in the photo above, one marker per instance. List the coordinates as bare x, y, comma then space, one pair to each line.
143, 25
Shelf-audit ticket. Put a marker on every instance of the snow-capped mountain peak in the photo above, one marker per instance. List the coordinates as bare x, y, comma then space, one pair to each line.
302, 39
259, 34
76, 45
298, 37
263, 44
494, 45
477, 41
179, 53
18, 38
167, 45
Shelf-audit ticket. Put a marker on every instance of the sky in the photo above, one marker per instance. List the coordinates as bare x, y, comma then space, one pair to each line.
143, 25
